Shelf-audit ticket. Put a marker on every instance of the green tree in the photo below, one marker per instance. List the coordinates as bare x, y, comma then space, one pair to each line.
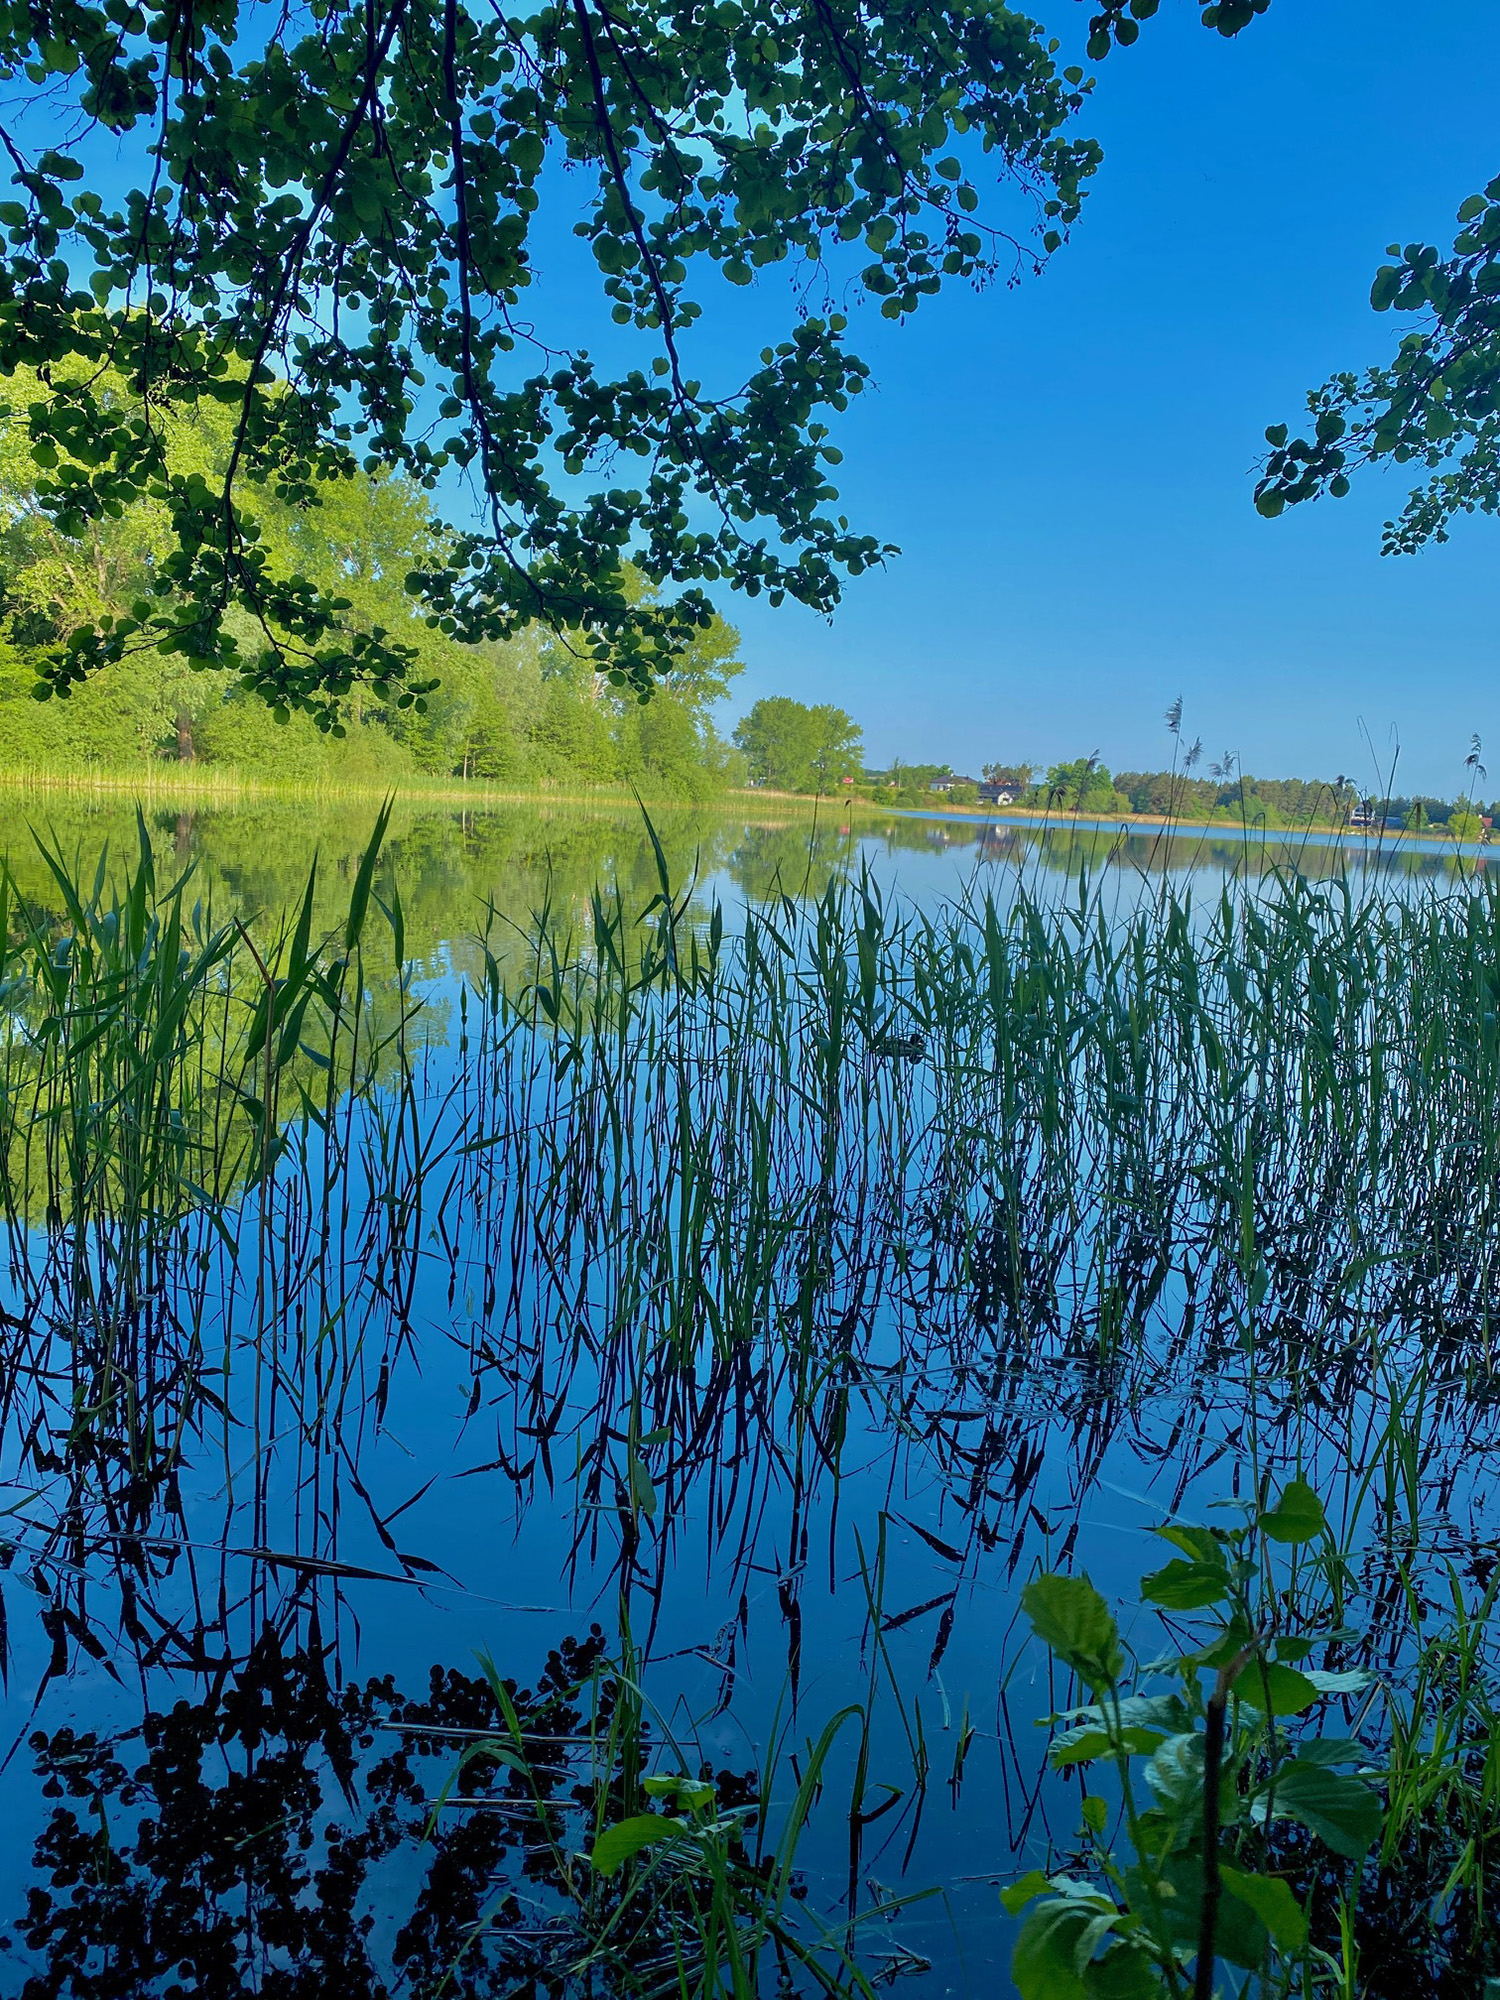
319, 220
512, 712
797, 748
1085, 786
838, 747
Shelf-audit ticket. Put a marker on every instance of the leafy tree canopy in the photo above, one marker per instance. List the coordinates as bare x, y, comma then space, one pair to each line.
798, 748
323, 219
524, 712
1436, 402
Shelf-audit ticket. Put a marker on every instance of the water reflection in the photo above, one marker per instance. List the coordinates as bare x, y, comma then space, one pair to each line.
781, 1312
284, 1835
450, 862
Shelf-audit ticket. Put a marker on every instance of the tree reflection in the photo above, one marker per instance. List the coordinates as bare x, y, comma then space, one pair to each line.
272, 1838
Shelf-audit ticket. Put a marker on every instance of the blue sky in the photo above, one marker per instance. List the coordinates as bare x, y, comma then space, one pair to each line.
1067, 467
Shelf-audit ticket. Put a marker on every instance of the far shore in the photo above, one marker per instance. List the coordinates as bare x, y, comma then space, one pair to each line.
1062, 821
226, 785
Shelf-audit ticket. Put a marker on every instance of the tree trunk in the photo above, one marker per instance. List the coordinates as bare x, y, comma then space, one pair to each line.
187, 750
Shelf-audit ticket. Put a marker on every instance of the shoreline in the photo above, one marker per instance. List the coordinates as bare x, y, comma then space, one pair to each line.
1367, 837
229, 787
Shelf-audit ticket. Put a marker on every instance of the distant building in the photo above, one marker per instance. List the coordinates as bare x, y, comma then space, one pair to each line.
997, 795
945, 784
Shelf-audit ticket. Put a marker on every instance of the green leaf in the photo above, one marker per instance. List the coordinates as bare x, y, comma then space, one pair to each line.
620, 1843
693, 1792
1343, 1811
1272, 1901
1045, 1964
1297, 1516
1330, 1750
1202, 1544
1186, 1586
1353, 1680
1175, 1772
642, 1491
1273, 1689
1240, 1937
1070, 1617
1125, 1972
1083, 1746
1025, 1890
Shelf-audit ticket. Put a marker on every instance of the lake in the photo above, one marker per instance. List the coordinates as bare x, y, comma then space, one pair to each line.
704, 1325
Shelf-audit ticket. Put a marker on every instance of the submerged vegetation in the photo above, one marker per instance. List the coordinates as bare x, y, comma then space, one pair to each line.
797, 1277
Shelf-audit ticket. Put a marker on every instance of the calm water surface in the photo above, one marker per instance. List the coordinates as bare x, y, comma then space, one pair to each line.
215, 1633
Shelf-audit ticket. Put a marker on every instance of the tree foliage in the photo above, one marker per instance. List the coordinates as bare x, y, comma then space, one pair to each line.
324, 220
1435, 404
517, 712
796, 748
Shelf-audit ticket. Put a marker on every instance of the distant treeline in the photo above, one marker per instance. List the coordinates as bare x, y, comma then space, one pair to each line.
523, 714
1226, 795
529, 714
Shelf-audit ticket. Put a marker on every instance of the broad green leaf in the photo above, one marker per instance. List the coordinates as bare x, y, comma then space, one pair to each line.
1351, 1681
1202, 1544
618, 1844
1167, 1712
1240, 1936
1330, 1750
1297, 1516
1343, 1811
1230, 1642
1273, 1689
1016, 1895
1044, 1964
1186, 1586
1084, 1746
1175, 1772
1125, 1972
691, 1791
1070, 1616
1272, 1901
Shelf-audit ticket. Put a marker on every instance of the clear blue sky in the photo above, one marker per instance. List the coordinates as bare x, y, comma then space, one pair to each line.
1067, 467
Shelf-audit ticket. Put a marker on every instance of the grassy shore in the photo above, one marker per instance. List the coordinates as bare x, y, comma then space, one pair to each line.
223, 785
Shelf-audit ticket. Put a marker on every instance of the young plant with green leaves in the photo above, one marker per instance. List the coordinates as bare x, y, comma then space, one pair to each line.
1213, 1755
